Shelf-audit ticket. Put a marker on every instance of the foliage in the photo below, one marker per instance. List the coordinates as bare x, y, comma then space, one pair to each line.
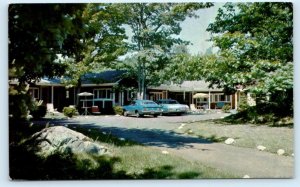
118, 110
101, 44
38, 111
69, 111
255, 54
155, 27
37, 33
226, 108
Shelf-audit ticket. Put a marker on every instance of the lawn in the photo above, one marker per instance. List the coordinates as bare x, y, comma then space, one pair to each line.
127, 160
245, 135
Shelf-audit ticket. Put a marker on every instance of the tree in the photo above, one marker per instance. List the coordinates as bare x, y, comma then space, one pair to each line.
255, 52
37, 33
155, 27
101, 44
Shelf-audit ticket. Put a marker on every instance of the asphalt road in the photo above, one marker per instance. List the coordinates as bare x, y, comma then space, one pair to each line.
158, 133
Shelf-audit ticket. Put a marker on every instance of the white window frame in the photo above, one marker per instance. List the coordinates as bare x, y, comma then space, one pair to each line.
218, 96
96, 93
33, 90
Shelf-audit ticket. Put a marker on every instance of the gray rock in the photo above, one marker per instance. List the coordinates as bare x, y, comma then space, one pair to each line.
63, 140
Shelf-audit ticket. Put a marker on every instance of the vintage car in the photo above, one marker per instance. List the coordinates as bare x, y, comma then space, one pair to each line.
141, 108
170, 106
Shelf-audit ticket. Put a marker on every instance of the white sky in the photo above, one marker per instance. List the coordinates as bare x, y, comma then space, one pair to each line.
194, 29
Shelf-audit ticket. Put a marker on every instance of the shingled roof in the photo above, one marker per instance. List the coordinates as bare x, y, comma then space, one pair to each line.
188, 86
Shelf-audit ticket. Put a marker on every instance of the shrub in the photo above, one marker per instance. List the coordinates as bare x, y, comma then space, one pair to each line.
38, 112
69, 111
118, 110
226, 108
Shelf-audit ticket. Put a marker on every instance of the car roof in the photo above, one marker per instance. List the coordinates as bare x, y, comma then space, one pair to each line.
166, 100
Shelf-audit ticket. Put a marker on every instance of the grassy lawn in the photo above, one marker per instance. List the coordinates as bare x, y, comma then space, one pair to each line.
127, 160
245, 135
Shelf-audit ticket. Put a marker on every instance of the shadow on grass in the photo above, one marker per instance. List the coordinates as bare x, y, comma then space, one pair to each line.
25, 165
214, 138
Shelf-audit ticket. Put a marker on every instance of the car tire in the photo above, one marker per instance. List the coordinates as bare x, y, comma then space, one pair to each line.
138, 114
155, 115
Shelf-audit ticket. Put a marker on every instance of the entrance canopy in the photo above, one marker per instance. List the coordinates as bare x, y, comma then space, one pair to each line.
200, 95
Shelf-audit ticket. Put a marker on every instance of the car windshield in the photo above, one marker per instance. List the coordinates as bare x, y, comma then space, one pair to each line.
172, 102
148, 103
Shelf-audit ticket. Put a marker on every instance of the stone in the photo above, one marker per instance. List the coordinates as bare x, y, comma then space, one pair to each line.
261, 148
229, 141
64, 140
246, 177
280, 151
181, 126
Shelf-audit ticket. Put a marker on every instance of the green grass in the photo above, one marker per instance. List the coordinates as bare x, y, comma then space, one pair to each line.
246, 135
127, 160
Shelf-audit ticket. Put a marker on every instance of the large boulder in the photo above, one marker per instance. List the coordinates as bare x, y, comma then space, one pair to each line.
64, 140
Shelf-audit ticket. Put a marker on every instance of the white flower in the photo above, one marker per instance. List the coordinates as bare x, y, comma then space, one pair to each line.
229, 141
261, 148
103, 132
122, 139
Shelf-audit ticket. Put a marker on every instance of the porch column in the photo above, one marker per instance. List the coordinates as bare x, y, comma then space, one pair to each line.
122, 98
192, 97
52, 95
41, 92
208, 100
183, 95
235, 100
74, 97
113, 98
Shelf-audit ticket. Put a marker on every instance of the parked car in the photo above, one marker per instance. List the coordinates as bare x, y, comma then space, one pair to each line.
170, 106
141, 108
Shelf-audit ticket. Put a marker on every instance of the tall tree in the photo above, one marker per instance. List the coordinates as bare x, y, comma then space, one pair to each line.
37, 33
155, 28
255, 52
101, 44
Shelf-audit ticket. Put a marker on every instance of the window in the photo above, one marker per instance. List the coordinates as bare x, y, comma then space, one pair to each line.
34, 92
220, 97
102, 94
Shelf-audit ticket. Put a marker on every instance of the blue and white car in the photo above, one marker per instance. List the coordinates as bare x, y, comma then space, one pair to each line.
140, 108
170, 106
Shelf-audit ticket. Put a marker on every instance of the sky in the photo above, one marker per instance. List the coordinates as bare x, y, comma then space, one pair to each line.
194, 29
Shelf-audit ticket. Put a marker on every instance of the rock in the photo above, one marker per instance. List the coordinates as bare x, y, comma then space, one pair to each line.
261, 148
229, 141
118, 115
64, 140
181, 125
280, 151
246, 177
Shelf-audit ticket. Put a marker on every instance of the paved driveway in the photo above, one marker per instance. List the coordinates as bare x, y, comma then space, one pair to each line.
158, 133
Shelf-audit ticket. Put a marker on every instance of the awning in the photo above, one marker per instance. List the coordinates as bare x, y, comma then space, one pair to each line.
200, 95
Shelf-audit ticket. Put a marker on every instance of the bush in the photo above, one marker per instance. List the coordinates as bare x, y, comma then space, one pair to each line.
69, 111
39, 112
118, 110
226, 108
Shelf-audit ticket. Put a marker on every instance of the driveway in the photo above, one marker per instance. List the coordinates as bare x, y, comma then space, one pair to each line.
158, 133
